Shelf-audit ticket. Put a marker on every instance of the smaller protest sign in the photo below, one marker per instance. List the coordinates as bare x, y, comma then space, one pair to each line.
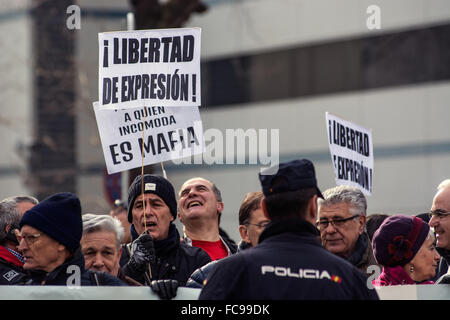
132, 137
149, 67
351, 149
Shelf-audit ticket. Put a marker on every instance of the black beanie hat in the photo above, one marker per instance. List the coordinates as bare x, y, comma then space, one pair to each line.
156, 185
59, 217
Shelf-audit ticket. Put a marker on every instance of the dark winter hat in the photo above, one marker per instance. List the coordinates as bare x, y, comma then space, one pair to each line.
398, 239
291, 176
152, 184
59, 217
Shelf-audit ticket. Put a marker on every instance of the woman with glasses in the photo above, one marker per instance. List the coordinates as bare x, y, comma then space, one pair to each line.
404, 246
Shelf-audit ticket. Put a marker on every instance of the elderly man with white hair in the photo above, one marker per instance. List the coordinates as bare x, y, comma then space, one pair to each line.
341, 222
101, 245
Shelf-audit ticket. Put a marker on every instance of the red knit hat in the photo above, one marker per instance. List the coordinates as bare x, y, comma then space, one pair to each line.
398, 239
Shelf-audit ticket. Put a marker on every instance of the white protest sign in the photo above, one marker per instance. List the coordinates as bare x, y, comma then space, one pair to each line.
154, 134
351, 149
149, 68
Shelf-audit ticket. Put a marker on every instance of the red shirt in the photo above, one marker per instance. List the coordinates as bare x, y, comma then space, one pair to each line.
215, 249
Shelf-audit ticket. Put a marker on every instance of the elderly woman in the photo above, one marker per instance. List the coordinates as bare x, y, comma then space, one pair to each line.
404, 246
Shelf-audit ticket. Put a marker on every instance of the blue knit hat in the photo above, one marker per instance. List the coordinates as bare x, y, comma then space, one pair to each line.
152, 184
59, 217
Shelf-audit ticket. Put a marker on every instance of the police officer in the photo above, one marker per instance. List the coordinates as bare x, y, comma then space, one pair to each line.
289, 262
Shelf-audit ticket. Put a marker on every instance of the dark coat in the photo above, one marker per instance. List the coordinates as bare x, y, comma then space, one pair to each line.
11, 271
174, 260
289, 263
362, 256
442, 269
232, 246
199, 276
65, 275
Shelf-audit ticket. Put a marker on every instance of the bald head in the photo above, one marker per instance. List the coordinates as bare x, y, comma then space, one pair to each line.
441, 221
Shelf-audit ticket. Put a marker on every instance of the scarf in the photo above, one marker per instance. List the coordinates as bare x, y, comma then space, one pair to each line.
11, 256
360, 248
394, 276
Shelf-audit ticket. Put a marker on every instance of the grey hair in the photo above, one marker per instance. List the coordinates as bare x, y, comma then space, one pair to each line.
30, 199
350, 195
102, 222
431, 235
9, 215
444, 184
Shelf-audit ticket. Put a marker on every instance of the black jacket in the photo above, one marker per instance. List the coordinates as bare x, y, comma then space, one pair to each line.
443, 264
199, 276
288, 263
174, 259
67, 275
11, 272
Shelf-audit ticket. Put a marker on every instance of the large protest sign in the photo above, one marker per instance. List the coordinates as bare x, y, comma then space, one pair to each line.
142, 136
149, 68
351, 149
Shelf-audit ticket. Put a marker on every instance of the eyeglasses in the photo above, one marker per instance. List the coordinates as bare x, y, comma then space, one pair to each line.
29, 238
337, 223
260, 225
439, 214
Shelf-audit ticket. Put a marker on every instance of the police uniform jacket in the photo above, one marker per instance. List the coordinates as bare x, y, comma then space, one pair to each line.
288, 263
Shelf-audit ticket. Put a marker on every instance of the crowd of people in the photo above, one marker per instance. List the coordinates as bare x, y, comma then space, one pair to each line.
296, 242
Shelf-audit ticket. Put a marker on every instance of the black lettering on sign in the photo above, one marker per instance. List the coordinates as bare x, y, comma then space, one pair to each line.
349, 138
151, 50
168, 141
354, 171
125, 148
151, 86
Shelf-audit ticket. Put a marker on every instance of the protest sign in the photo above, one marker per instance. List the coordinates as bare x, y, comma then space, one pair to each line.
142, 136
149, 68
351, 149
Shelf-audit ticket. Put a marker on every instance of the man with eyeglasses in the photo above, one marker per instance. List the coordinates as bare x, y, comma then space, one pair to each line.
289, 263
440, 222
50, 235
341, 222
252, 220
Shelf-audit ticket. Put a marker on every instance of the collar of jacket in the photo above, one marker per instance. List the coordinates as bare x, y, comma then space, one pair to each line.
77, 259
297, 226
9, 257
391, 276
243, 245
360, 249
444, 254
188, 241
166, 245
